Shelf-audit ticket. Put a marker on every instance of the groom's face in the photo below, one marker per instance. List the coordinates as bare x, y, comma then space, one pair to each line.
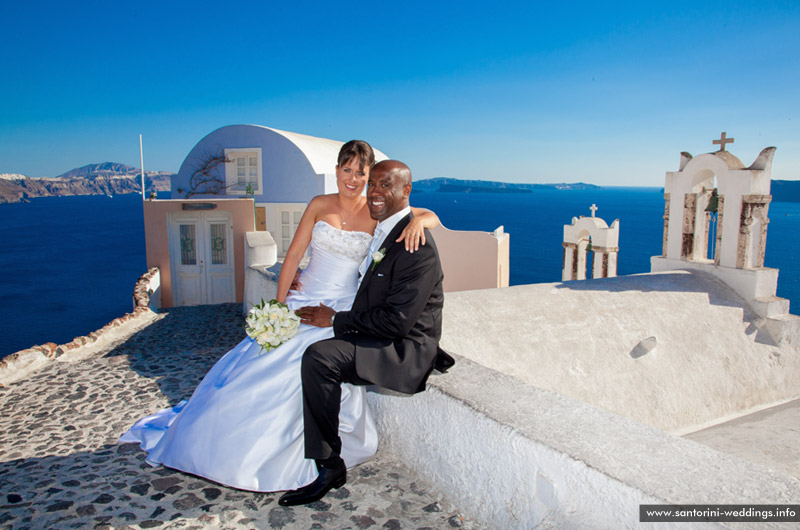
386, 193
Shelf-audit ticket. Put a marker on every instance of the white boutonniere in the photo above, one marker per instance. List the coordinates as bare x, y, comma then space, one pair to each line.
377, 257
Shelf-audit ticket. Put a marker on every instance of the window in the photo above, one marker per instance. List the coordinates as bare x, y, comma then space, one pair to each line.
188, 248
243, 169
219, 243
289, 221
281, 221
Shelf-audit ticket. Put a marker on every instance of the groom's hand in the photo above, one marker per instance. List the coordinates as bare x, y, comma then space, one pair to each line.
319, 316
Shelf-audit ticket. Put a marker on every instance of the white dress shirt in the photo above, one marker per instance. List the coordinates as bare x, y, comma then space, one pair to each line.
381, 231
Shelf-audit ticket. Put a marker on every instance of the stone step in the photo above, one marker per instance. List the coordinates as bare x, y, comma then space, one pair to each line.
770, 306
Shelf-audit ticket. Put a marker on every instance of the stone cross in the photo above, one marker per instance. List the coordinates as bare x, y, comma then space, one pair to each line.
593, 208
722, 141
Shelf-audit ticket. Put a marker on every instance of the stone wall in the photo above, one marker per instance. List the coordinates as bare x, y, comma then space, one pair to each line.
21, 363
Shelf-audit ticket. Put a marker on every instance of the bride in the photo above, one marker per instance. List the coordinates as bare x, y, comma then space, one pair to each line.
243, 426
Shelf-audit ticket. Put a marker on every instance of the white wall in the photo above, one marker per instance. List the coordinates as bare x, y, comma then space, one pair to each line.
713, 357
516, 457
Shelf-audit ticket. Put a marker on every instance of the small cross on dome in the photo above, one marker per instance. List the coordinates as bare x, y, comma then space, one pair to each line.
722, 141
593, 208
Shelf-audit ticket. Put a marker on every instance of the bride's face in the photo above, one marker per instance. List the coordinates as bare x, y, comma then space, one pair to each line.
351, 179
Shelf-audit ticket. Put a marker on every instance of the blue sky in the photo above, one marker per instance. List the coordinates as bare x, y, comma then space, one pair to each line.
608, 93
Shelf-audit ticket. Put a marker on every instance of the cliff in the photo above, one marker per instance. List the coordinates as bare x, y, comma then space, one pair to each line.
490, 186
107, 178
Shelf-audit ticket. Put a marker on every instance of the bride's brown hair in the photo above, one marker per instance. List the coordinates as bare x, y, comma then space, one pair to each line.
357, 149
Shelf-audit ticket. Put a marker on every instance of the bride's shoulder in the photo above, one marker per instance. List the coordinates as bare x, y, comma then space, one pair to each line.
318, 207
323, 203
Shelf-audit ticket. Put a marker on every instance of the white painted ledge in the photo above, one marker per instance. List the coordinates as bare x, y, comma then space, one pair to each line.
260, 283
514, 456
751, 284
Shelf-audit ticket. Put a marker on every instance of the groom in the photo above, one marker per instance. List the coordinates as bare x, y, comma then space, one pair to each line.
389, 338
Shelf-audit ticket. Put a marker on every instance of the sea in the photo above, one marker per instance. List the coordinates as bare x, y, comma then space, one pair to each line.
69, 264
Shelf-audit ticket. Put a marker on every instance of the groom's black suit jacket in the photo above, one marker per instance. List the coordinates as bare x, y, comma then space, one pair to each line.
396, 318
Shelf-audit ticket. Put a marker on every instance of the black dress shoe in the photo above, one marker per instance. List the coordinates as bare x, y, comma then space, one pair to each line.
329, 477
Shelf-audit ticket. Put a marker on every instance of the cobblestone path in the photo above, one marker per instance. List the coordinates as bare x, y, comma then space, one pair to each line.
60, 466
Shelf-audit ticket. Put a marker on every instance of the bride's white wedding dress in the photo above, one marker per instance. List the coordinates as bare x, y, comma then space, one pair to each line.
243, 426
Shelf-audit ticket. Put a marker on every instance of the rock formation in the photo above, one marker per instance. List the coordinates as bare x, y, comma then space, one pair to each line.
107, 178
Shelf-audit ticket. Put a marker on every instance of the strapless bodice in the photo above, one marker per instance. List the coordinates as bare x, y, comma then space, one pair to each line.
350, 245
332, 273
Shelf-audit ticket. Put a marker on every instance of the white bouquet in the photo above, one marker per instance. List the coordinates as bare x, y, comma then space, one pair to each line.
271, 324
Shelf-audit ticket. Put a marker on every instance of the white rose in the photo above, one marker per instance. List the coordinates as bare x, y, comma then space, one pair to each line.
378, 256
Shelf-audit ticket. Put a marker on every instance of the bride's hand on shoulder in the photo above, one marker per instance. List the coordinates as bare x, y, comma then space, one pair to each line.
413, 235
414, 232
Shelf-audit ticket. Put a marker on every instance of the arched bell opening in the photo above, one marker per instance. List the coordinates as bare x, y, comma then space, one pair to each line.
701, 220
585, 257
712, 211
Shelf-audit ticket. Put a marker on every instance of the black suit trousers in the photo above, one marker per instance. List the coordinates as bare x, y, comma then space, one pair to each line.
326, 365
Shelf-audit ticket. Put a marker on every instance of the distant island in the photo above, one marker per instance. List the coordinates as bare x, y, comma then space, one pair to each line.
108, 178
781, 190
446, 184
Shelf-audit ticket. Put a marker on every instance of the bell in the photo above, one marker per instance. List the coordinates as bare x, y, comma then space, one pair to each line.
589, 246
713, 202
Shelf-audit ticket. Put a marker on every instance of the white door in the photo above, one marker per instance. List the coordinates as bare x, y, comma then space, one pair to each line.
219, 281
289, 219
202, 258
